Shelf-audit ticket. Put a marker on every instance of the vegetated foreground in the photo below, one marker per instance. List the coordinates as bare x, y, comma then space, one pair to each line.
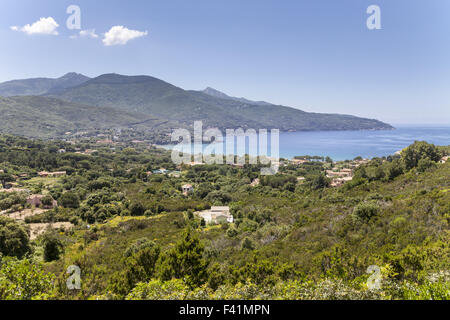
129, 219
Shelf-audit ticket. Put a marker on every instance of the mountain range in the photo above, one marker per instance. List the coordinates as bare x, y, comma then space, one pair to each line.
39, 86
218, 94
44, 107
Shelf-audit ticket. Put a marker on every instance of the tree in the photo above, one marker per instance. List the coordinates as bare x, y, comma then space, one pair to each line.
137, 209
219, 197
53, 246
5, 177
424, 164
70, 200
185, 261
140, 266
417, 151
363, 212
14, 239
216, 277
319, 181
394, 169
47, 201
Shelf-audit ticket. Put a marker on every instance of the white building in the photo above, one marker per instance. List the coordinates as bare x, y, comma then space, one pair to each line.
187, 189
216, 215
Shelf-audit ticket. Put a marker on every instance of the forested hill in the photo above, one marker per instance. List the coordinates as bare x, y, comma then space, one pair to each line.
38, 86
46, 117
47, 108
152, 96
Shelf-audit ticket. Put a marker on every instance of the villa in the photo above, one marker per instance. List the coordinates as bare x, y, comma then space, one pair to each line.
339, 174
340, 177
187, 189
340, 181
216, 215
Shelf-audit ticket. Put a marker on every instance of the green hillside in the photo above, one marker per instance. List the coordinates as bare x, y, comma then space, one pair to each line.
38, 86
135, 235
149, 95
45, 117
153, 107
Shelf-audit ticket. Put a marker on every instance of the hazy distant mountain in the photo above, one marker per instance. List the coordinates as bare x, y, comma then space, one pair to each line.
45, 117
218, 94
148, 95
39, 86
75, 102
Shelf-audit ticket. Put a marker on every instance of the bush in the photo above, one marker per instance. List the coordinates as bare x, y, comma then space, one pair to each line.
185, 261
317, 182
425, 164
137, 209
394, 169
140, 262
47, 201
157, 290
70, 200
232, 232
53, 246
14, 239
363, 212
219, 197
247, 243
24, 280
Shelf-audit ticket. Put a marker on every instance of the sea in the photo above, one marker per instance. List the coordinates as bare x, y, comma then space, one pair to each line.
347, 145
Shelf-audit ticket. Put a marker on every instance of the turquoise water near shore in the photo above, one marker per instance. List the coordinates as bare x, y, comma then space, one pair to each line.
345, 145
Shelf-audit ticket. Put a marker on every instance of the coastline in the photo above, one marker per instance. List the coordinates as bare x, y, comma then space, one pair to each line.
346, 145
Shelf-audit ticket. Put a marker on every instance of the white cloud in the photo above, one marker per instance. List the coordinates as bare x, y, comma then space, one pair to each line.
42, 26
119, 35
90, 33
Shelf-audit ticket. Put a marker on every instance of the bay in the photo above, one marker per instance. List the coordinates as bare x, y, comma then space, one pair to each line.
346, 145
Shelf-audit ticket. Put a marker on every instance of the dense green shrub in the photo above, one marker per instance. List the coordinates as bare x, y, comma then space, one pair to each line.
69, 200
186, 261
14, 239
53, 246
365, 211
25, 280
417, 151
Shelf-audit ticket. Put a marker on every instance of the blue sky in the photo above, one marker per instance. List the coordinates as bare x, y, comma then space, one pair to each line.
316, 55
